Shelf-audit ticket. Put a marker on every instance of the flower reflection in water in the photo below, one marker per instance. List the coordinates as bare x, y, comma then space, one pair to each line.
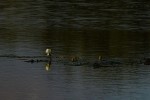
48, 66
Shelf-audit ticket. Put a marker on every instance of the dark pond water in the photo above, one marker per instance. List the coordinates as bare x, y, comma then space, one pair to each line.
117, 30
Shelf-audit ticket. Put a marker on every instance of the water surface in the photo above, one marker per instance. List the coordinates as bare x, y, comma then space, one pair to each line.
87, 29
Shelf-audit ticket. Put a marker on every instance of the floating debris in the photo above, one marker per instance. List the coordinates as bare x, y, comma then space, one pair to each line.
147, 61
106, 63
37, 60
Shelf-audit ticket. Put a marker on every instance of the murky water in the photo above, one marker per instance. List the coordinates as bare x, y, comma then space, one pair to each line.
86, 29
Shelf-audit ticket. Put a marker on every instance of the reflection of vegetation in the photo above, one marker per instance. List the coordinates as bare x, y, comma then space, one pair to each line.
104, 43
76, 28
117, 43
